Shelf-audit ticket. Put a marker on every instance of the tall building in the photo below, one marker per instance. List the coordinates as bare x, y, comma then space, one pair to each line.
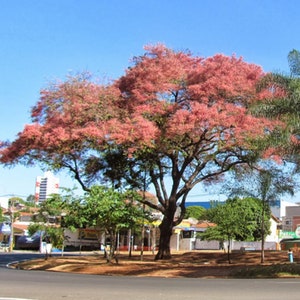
45, 186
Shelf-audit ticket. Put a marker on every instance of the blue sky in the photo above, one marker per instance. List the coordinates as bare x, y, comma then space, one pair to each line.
44, 40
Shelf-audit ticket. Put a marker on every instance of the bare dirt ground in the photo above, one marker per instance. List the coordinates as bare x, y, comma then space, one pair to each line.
195, 264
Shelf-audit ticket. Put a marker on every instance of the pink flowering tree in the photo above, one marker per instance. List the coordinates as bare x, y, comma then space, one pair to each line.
173, 119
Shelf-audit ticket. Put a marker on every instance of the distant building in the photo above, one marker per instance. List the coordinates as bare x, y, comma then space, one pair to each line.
45, 186
291, 221
279, 208
4, 202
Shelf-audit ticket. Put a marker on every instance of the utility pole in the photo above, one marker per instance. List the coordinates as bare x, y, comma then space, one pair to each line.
11, 238
143, 225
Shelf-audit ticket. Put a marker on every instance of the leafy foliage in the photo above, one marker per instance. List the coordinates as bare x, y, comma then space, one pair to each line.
2, 217
172, 115
267, 182
284, 106
48, 221
197, 212
112, 211
237, 219
53, 235
103, 208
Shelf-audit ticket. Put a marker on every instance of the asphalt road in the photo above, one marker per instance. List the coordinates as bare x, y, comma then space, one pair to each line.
6, 258
51, 285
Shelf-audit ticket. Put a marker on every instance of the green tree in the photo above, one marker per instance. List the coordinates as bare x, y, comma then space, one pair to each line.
14, 201
236, 219
51, 234
48, 221
30, 201
267, 182
2, 217
284, 106
54, 215
110, 210
196, 212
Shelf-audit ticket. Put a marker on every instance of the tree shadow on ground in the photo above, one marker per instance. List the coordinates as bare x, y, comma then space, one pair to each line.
195, 264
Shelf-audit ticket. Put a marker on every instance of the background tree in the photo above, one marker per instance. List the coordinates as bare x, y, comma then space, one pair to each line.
267, 182
283, 105
196, 212
51, 234
2, 217
15, 201
171, 118
30, 201
236, 219
112, 211
47, 221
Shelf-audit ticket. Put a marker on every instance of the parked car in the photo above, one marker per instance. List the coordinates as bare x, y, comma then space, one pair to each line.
29, 242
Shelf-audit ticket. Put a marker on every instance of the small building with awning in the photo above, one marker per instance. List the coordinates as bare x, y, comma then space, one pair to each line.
184, 234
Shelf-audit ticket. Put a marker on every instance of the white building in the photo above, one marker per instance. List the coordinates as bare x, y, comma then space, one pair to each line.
45, 186
4, 202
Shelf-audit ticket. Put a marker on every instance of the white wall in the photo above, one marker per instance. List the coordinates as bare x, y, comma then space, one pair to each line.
4, 202
273, 236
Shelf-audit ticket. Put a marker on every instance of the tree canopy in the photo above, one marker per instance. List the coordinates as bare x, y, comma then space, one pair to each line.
105, 209
237, 219
196, 212
267, 183
112, 211
172, 117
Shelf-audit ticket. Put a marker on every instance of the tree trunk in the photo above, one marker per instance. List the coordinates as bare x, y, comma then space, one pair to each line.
166, 228
130, 241
228, 252
112, 249
262, 254
262, 258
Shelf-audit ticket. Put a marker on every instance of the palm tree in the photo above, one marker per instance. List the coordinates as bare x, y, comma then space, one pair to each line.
284, 106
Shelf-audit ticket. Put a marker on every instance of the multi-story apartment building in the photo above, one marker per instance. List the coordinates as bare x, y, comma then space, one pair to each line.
45, 186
